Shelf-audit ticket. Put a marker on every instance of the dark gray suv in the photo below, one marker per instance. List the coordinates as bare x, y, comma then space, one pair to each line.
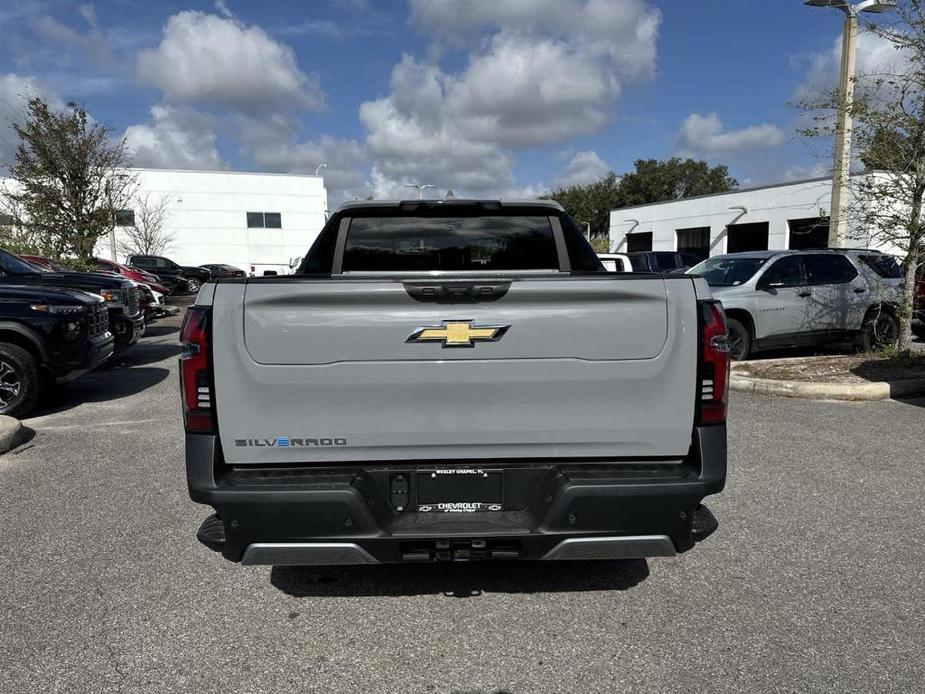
779, 299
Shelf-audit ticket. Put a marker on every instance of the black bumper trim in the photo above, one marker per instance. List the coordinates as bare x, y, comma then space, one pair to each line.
546, 502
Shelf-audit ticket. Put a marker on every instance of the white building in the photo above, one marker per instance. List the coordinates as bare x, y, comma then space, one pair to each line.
254, 221
787, 215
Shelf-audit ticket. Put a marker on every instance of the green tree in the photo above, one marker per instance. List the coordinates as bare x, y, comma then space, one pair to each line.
672, 179
651, 181
590, 203
70, 179
888, 134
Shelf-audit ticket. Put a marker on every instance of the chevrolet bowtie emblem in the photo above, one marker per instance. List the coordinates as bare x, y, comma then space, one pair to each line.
459, 333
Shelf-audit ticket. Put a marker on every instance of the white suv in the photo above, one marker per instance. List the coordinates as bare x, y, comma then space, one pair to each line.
779, 299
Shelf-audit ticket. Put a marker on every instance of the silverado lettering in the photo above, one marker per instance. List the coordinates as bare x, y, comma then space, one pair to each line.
288, 441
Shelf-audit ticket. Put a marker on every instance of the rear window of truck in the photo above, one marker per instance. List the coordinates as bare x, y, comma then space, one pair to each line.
406, 243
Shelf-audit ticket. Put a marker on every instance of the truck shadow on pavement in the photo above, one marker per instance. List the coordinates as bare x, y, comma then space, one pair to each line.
142, 354
458, 580
162, 329
100, 386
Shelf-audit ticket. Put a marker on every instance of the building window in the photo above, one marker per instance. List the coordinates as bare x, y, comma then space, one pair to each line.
809, 233
747, 237
125, 218
641, 241
694, 241
264, 220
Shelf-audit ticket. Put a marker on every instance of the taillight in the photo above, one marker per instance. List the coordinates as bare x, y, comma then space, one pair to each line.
714, 364
195, 378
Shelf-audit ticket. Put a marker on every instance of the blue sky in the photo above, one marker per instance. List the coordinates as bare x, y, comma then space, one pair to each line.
488, 97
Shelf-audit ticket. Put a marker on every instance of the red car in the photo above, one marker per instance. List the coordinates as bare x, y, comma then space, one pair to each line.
132, 274
46, 264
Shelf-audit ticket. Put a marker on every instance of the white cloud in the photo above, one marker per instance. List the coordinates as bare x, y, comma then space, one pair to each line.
704, 135
88, 12
177, 138
15, 92
222, 8
410, 139
223, 62
623, 31
584, 167
273, 146
873, 54
527, 91
93, 42
802, 172
548, 71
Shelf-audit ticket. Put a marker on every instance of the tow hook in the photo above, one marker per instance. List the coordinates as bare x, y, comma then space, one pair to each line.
704, 523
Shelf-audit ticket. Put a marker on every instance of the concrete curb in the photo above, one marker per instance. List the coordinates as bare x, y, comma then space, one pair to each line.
10, 431
876, 390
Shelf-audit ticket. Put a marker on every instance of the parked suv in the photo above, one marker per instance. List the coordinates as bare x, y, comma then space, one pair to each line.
180, 277
779, 299
126, 320
661, 261
47, 334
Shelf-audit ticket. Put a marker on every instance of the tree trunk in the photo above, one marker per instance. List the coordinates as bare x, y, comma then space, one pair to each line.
907, 304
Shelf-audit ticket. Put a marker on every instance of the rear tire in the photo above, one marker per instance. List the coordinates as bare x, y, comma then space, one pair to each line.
879, 331
20, 385
740, 340
193, 284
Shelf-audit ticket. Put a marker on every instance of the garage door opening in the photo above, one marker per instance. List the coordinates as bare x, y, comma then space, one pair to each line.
694, 241
641, 241
812, 232
747, 237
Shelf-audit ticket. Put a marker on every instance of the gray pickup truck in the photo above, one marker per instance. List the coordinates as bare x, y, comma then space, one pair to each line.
451, 381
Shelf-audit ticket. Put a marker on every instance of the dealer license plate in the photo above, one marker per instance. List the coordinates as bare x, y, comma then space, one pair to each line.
465, 490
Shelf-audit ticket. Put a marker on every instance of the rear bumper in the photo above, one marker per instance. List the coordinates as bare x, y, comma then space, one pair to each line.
562, 509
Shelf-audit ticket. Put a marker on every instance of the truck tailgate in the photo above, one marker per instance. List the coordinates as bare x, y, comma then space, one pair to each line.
322, 370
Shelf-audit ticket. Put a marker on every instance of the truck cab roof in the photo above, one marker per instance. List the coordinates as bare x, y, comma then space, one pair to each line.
452, 203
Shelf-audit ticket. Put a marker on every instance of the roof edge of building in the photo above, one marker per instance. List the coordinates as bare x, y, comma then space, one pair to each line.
235, 172
742, 190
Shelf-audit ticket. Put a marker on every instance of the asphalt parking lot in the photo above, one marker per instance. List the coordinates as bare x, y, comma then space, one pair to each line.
813, 583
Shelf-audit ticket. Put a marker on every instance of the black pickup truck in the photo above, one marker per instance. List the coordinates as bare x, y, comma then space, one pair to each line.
126, 319
180, 278
47, 335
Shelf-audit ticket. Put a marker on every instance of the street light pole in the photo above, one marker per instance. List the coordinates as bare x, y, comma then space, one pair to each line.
841, 168
838, 222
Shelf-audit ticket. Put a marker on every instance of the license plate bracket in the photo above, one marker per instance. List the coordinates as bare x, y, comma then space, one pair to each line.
464, 490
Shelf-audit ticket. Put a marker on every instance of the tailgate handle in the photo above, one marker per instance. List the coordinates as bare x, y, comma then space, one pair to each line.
456, 292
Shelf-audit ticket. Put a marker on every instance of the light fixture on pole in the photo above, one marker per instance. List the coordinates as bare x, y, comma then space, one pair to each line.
841, 169
319, 167
421, 188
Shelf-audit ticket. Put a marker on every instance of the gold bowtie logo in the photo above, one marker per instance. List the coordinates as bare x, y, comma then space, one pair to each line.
459, 333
